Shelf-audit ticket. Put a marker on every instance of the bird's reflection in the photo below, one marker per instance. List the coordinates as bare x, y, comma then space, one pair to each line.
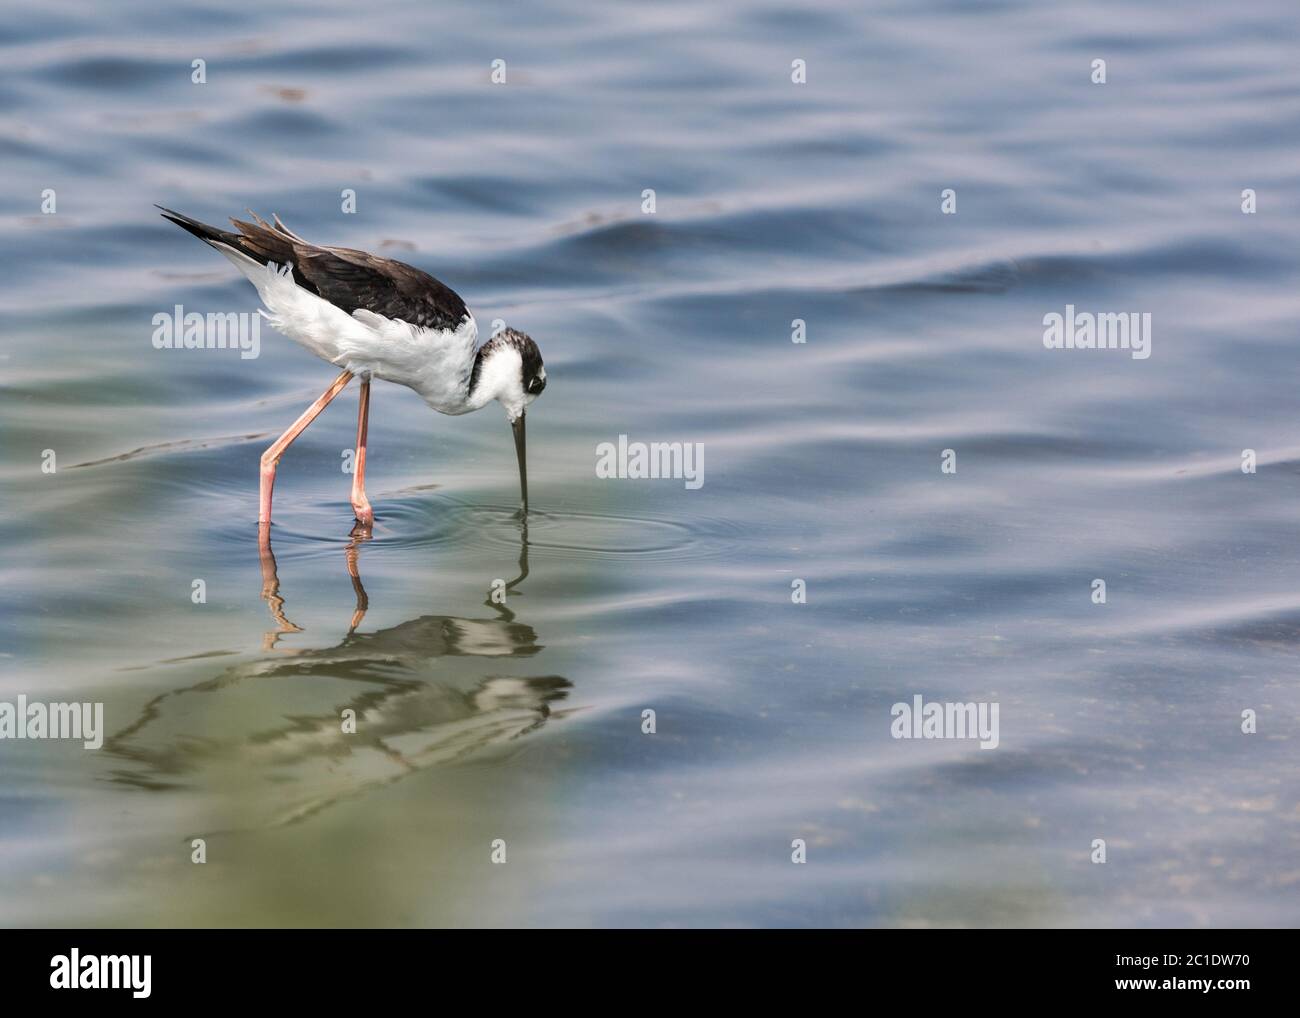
297, 730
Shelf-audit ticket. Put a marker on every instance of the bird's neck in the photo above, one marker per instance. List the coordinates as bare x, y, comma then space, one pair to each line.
477, 394
497, 374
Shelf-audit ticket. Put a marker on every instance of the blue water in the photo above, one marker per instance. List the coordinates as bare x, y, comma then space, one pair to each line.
774, 201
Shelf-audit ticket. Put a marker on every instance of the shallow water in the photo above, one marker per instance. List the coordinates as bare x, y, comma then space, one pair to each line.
522, 721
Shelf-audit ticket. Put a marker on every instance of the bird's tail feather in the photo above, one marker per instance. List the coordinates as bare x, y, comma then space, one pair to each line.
260, 241
203, 231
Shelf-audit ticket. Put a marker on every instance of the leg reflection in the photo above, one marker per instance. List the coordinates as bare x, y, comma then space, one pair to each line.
271, 590
352, 554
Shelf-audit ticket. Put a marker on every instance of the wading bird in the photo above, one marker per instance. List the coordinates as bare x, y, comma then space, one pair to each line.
375, 318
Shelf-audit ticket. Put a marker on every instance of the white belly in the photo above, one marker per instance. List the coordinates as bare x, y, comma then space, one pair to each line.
435, 363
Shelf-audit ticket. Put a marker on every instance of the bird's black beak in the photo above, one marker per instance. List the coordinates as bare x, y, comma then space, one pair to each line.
521, 450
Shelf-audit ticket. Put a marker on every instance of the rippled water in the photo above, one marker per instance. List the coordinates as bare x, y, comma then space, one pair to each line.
774, 202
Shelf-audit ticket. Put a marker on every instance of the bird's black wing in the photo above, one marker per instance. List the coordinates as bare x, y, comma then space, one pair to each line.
355, 279
346, 278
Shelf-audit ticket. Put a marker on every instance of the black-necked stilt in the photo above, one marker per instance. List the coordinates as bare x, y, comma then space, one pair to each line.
375, 318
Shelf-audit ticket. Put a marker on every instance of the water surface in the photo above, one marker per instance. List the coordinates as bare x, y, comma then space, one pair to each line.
522, 720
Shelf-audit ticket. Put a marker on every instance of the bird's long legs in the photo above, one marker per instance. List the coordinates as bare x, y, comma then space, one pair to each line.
360, 504
272, 455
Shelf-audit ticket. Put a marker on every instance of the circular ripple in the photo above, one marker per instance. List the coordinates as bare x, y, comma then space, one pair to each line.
422, 519
595, 535
427, 519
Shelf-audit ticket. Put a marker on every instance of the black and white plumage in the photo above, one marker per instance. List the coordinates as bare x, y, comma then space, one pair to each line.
378, 318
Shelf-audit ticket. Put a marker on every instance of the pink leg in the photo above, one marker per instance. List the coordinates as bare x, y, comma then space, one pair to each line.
360, 504
272, 455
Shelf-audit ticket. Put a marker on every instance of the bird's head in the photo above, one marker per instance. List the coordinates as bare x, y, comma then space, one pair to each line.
509, 369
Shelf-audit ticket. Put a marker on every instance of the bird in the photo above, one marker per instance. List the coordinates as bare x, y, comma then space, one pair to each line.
376, 318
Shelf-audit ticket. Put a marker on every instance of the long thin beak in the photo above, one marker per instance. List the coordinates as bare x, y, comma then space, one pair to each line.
521, 450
